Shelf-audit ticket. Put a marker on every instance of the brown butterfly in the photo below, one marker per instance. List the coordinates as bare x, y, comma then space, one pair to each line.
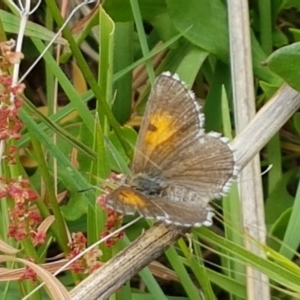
177, 168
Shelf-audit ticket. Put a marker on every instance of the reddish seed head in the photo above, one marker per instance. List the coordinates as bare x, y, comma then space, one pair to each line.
38, 237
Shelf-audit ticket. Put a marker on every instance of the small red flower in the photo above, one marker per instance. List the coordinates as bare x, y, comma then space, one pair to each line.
38, 237
29, 273
34, 218
78, 267
17, 231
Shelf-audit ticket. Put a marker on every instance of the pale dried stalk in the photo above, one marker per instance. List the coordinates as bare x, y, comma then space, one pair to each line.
157, 239
250, 184
128, 262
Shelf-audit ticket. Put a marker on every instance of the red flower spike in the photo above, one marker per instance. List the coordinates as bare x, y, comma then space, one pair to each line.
89, 261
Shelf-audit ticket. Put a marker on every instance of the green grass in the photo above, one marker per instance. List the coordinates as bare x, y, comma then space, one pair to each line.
63, 158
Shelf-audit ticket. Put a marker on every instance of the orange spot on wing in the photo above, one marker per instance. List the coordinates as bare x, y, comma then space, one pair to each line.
160, 129
132, 198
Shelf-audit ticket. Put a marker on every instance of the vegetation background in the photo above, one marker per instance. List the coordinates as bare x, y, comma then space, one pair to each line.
80, 109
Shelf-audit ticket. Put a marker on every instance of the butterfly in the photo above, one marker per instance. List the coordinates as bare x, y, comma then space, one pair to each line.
177, 168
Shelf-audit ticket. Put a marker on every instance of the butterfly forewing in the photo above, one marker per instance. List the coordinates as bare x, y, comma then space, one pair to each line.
171, 119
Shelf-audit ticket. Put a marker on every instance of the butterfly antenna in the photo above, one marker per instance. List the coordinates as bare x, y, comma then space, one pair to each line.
92, 187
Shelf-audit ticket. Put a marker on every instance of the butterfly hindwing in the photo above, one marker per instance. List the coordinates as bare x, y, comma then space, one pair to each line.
129, 201
205, 166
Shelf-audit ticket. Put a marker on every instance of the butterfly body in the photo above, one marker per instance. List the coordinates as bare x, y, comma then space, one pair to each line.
177, 168
148, 184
